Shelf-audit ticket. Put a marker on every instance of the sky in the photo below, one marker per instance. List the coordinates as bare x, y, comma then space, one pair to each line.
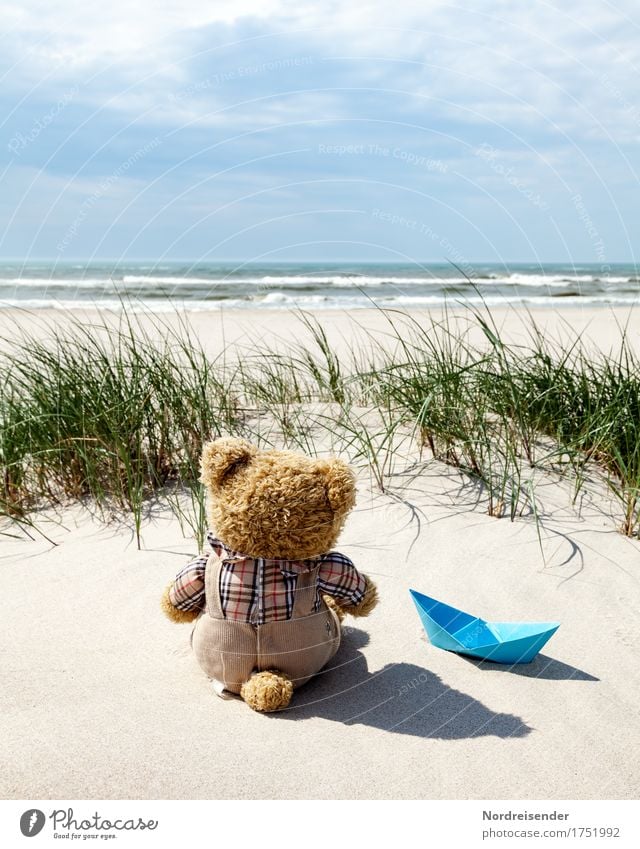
323, 131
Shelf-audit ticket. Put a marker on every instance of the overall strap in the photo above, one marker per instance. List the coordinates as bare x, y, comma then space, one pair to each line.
305, 593
212, 586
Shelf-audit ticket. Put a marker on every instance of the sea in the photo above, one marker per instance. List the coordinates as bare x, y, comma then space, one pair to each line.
166, 286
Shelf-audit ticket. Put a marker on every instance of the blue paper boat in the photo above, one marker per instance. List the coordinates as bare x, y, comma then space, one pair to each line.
503, 642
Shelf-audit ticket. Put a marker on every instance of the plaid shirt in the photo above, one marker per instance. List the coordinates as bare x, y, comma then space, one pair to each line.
260, 590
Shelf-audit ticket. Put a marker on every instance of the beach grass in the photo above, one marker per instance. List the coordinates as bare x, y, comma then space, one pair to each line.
115, 414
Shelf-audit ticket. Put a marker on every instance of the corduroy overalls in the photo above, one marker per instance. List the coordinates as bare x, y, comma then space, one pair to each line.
229, 651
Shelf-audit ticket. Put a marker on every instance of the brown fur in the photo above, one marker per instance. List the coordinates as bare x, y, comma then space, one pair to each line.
369, 601
267, 691
275, 504
332, 604
280, 505
172, 612
367, 604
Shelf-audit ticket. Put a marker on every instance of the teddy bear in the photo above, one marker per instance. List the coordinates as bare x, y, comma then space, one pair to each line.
269, 596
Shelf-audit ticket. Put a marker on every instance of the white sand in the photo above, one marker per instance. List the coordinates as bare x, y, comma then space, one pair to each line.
102, 698
250, 328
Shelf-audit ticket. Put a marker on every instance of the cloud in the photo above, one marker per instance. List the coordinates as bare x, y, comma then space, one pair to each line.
568, 64
242, 94
78, 36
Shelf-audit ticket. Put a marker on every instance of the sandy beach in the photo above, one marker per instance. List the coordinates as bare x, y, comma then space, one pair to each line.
248, 328
103, 698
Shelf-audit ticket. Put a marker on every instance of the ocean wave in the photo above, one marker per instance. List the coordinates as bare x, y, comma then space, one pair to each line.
57, 283
364, 282
127, 282
146, 278
339, 280
281, 301
554, 280
335, 281
116, 305
542, 280
281, 298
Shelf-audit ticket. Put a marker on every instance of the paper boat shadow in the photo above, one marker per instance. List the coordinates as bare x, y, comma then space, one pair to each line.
543, 667
501, 642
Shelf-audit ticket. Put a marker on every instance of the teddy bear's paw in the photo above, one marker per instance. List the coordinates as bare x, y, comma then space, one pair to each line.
172, 612
332, 604
267, 691
369, 601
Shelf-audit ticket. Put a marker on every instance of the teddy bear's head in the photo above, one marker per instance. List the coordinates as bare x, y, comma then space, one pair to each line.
275, 504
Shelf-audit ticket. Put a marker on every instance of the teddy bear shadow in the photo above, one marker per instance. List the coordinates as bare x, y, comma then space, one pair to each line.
400, 697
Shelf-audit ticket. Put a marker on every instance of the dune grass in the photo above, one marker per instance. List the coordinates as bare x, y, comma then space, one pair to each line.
116, 413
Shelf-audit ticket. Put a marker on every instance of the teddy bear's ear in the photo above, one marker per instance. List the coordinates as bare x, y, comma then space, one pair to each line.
223, 457
341, 486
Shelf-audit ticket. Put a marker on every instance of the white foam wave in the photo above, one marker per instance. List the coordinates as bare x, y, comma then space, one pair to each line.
542, 280
281, 298
139, 282
145, 278
279, 301
61, 283
114, 305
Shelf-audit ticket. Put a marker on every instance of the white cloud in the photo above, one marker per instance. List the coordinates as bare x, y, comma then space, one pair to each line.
135, 34
560, 66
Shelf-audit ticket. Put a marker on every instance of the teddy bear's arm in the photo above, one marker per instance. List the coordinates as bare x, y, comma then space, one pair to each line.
352, 591
175, 614
184, 598
369, 600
